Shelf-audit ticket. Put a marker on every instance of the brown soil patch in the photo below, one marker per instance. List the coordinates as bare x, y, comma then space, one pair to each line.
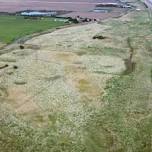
66, 57
85, 86
82, 80
21, 101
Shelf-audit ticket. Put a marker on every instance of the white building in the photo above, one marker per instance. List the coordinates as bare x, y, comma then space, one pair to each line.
37, 13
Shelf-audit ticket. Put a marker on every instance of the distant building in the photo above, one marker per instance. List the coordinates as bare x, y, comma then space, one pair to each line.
38, 13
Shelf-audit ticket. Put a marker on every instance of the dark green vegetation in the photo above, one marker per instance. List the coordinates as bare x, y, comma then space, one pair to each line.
14, 27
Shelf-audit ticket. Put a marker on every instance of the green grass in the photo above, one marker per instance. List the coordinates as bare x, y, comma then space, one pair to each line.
124, 123
14, 27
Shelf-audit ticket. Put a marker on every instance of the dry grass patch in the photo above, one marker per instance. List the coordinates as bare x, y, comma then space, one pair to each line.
87, 87
103, 64
66, 57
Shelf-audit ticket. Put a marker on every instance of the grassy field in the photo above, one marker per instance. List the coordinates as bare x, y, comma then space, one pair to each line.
125, 122
122, 122
14, 27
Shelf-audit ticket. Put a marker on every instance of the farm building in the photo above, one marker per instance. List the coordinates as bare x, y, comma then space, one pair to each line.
38, 13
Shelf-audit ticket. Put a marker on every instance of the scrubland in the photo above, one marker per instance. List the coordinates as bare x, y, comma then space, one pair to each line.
68, 92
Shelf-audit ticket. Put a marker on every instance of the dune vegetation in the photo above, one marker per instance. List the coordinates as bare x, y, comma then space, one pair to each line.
74, 93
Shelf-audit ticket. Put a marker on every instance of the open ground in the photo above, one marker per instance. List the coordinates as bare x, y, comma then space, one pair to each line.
83, 8
69, 5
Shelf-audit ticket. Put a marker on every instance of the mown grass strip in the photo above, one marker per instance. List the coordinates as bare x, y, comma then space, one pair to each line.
14, 27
